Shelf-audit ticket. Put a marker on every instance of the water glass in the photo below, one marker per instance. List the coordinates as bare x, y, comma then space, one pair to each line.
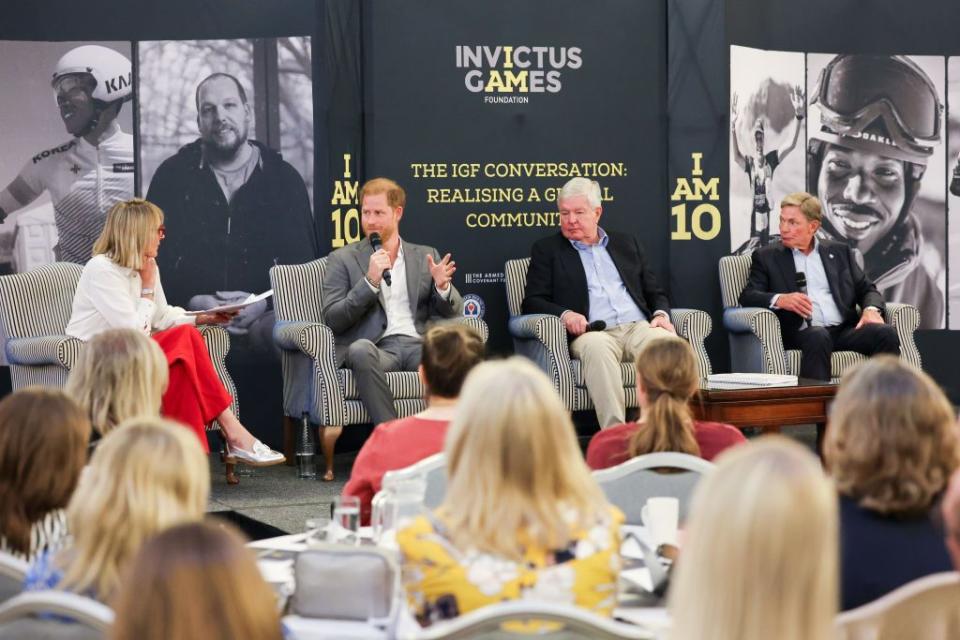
345, 527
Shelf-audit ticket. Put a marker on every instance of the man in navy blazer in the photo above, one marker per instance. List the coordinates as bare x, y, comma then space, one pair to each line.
824, 300
600, 285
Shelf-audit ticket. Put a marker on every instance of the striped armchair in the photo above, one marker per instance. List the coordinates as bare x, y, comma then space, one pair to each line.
756, 345
314, 388
543, 339
35, 308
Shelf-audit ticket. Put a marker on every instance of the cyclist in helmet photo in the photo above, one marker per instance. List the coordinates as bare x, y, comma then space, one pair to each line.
759, 165
881, 121
92, 169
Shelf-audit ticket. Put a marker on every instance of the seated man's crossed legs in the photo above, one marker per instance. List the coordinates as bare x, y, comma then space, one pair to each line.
817, 345
370, 361
600, 354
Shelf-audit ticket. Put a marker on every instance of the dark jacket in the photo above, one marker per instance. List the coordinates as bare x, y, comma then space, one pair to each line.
773, 271
879, 553
557, 282
214, 246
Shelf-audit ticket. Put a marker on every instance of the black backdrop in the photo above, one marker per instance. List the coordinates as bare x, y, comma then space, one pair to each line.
664, 71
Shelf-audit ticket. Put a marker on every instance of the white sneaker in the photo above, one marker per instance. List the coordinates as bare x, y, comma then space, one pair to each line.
260, 455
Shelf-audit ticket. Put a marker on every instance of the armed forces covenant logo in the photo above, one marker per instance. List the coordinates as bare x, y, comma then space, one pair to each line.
507, 74
473, 306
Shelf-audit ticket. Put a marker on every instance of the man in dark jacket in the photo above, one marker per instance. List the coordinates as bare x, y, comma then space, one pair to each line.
600, 285
815, 287
233, 209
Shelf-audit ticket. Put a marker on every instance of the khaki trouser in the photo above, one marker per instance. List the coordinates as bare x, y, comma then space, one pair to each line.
600, 354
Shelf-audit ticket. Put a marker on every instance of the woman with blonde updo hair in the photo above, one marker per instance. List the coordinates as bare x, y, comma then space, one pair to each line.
204, 576
149, 474
891, 447
120, 289
120, 374
667, 379
522, 517
759, 560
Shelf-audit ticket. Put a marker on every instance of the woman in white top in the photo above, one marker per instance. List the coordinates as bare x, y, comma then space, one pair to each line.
120, 288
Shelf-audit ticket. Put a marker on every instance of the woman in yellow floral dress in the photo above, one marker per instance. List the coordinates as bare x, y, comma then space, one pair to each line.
522, 517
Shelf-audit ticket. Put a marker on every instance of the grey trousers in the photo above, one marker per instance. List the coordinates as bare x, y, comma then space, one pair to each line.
370, 361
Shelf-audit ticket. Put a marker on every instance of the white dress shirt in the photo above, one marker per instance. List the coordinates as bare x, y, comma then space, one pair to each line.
396, 300
108, 297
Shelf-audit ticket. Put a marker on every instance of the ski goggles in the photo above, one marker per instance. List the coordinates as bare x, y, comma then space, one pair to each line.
854, 90
64, 85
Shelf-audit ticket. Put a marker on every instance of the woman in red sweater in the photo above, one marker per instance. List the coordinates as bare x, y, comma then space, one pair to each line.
450, 351
667, 379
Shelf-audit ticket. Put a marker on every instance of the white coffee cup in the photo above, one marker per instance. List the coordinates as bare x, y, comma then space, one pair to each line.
661, 517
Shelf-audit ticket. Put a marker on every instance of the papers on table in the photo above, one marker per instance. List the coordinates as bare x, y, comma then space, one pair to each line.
235, 306
748, 380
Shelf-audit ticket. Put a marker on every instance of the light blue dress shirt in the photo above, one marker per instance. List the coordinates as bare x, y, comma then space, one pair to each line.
825, 310
608, 296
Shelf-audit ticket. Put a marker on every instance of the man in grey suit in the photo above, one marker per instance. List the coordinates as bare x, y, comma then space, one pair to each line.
379, 299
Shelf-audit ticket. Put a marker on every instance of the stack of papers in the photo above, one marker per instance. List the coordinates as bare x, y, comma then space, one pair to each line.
747, 380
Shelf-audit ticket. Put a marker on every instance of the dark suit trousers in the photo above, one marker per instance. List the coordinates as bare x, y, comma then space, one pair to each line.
370, 362
819, 343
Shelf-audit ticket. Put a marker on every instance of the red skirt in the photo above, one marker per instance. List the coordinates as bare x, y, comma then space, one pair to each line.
195, 395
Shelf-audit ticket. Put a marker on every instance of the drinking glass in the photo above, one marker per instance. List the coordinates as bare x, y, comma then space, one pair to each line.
346, 520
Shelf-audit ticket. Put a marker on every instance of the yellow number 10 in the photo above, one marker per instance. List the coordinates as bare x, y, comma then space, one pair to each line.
696, 222
346, 228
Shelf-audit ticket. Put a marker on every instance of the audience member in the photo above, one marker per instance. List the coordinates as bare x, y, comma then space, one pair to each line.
120, 288
890, 447
760, 556
120, 374
449, 352
667, 378
522, 517
148, 475
43, 447
195, 581
951, 518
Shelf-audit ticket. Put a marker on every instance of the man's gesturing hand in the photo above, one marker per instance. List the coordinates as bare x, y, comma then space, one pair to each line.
799, 303
442, 271
379, 262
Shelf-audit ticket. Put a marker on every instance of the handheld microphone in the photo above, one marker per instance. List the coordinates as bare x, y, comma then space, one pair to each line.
597, 325
377, 245
801, 281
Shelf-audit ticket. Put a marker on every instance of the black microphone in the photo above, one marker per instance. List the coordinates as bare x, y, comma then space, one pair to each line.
377, 245
597, 325
802, 284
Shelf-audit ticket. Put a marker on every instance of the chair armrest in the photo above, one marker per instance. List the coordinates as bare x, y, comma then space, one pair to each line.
543, 338
694, 325
40, 350
905, 318
765, 325
218, 346
477, 325
286, 333
326, 402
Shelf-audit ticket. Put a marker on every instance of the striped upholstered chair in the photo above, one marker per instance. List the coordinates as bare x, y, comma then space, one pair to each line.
543, 339
756, 345
315, 390
34, 311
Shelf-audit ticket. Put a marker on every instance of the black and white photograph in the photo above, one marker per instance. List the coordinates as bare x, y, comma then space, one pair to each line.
226, 130
953, 193
767, 111
876, 154
67, 153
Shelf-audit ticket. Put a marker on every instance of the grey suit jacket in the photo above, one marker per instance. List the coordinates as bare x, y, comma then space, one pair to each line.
354, 312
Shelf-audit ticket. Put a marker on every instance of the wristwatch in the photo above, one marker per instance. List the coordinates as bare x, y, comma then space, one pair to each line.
146, 292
